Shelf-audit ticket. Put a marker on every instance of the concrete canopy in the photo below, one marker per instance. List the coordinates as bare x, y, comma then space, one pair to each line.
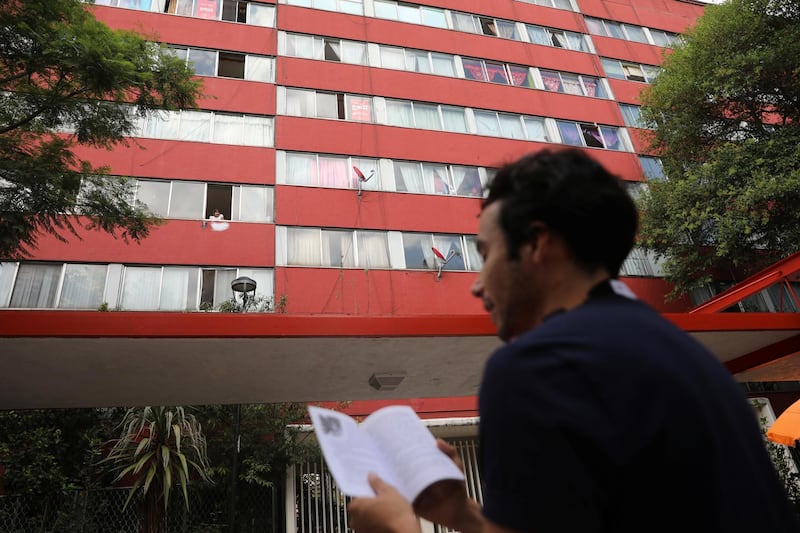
54, 359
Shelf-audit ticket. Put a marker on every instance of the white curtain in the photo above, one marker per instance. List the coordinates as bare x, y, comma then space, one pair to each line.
408, 177
474, 258
447, 244
454, 119
373, 250
300, 103
393, 58
195, 126
260, 15
535, 128
427, 117
399, 113
162, 125
486, 123
222, 284
333, 172
256, 130
443, 64
141, 288
258, 68
302, 246
301, 46
227, 128
355, 53
83, 286
436, 178
256, 203
301, 169
337, 248
263, 278
175, 289
36, 286
511, 126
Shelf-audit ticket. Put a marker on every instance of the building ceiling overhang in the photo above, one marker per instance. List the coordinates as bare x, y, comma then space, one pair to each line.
57, 359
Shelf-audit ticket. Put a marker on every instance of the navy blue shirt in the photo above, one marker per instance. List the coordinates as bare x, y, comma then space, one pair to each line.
609, 418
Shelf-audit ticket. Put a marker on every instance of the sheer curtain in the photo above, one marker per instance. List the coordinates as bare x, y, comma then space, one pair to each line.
256, 130
141, 288
454, 119
408, 177
227, 128
569, 133
507, 30
535, 129
195, 126
337, 248
36, 286
373, 250
448, 244
302, 246
511, 126
83, 286
178, 289
393, 58
222, 284
539, 35
467, 181
333, 172
258, 68
417, 250
355, 53
486, 123
300, 46
427, 116
301, 169
300, 103
367, 166
399, 113
437, 176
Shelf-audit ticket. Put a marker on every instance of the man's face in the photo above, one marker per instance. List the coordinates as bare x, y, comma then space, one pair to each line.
506, 287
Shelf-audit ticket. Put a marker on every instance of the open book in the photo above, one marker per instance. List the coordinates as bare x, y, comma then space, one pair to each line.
391, 442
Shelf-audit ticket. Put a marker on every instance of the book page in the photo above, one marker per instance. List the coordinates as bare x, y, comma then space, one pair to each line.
410, 449
349, 452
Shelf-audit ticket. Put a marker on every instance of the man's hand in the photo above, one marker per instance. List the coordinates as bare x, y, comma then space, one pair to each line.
446, 502
387, 512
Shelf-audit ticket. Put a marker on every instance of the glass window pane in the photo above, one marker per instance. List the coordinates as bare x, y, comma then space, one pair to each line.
611, 138
426, 116
141, 288
358, 108
328, 5
614, 29
467, 181
409, 14
385, 9
35, 286
511, 126
506, 29
437, 175
300, 46
337, 248
576, 41
260, 15
154, 195
408, 178
433, 17
334, 172
572, 84
521, 77
204, 62
227, 128
300, 103
83, 286
650, 73
256, 203
259, 68
569, 133
496, 72
595, 26
593, 87
352, 7
257, 131
418, 61
613, 68
399, 113
162, 125
659, 38
302, 246
187, 200
194, 126
535, 129
591, 135
327, 105
465, 22
454, 119
417, 250
633, 72
368, 167
443, 64
178, 289
301, 169
373, 249
231, 65
354, 53
552, 81
486, 123
474, 258
393, 58
635, 33
538, 35
653, 168
473, 69
450, 247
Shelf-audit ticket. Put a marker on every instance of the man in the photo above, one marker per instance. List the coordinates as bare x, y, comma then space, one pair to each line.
597, 414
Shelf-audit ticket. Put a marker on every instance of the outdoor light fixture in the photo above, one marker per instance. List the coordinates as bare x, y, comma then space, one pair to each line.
386, 381
246, 287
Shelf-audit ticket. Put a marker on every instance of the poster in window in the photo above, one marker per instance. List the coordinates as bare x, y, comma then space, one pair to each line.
206, 9
360, 109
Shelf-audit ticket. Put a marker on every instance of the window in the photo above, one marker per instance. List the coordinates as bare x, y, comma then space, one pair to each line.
629, 32
309, 103
631, 115
327, 49
558, 4
197, 200
337, 248
44, 285
653, 168
572, 83
624, 70
247, 130
590, 135
557, 38
353, 7
637, 263
418, 251
36, 285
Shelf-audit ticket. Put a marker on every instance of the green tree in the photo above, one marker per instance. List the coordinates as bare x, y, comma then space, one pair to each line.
158, 448
726, 116
61, 71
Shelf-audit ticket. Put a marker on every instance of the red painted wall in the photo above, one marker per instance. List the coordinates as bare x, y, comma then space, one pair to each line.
187, 160
178, 242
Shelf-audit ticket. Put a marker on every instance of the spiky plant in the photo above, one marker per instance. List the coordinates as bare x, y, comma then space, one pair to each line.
158, 448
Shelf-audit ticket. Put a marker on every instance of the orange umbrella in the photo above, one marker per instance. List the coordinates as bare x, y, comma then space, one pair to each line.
786, 429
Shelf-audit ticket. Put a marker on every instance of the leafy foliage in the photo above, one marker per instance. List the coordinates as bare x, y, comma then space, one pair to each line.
726, 111
159, 447
62, 71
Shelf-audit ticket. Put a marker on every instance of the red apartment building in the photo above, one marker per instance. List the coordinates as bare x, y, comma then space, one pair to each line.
346, 143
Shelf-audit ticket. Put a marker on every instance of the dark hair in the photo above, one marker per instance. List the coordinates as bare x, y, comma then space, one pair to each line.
575, 197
